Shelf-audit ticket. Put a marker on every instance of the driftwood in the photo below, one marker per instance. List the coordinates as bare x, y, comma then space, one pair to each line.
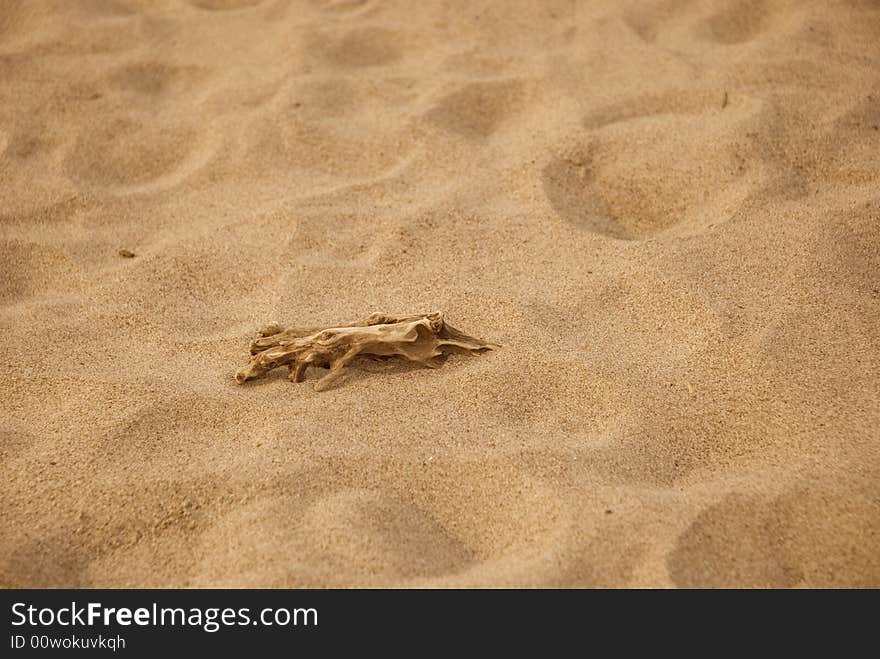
422, 338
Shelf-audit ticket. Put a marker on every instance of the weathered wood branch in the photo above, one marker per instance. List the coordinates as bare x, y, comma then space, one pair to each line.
422, 338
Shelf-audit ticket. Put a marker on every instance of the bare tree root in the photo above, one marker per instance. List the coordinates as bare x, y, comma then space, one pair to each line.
421, 338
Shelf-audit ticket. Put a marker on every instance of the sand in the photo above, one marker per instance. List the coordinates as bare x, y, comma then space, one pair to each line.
666, 212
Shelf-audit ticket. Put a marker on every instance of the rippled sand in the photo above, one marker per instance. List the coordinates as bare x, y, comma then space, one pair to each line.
667, 212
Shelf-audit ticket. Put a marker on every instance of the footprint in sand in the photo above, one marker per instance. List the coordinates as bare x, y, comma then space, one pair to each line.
224, 5
673, 102
48, 562
28, 269
737, 22
375, 529
349, 536
16, 17
360, 530
362, 47
156, 79
129, 155
803, 537
653, 164
648, 19
343, 6
478, 109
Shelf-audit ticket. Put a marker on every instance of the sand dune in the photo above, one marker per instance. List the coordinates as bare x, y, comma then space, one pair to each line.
666, 211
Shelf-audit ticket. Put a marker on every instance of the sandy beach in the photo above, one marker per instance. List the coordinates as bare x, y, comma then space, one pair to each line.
665, 212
